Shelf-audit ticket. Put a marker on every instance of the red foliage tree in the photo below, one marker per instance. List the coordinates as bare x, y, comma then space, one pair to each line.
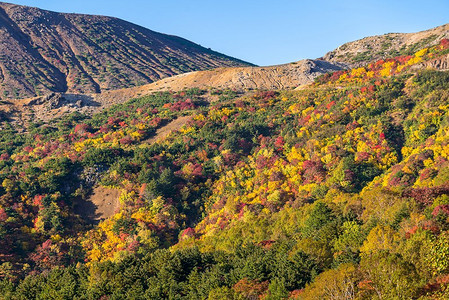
279, 143
251, 289
127, 140
82, 129
47, 256
313, 171
3, 215
441, 209
187, 233
426, 195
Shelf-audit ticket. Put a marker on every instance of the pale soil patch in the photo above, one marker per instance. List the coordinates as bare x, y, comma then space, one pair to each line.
164, 131
102, 203
106, 201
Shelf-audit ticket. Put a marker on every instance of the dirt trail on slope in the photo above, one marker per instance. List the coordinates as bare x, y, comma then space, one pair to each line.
164, 131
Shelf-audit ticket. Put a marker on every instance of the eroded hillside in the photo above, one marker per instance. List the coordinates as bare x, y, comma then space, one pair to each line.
360, 52
43, 52
238, 79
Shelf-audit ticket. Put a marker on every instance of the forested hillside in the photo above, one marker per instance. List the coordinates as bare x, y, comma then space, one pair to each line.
336, 191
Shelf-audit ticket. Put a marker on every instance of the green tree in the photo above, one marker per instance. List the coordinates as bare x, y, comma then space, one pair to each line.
277, 289
390, 276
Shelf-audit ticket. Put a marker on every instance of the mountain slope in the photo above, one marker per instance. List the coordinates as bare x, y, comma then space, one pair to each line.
377, 47
43, 51
338, 190
286, 76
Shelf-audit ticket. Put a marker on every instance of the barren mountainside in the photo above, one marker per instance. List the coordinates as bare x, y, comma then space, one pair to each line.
377, 47
286, 76
43, 51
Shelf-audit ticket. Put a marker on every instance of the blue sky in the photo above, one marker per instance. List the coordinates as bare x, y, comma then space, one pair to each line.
266, 32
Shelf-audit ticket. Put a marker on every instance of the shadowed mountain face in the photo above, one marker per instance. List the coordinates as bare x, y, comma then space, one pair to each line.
43, 51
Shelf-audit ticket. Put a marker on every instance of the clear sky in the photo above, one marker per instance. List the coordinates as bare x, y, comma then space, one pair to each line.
266, 32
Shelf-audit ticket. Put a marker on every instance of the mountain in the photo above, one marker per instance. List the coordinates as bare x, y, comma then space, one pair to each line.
43, 51
360, 52
239, 79
235, 183
337, 190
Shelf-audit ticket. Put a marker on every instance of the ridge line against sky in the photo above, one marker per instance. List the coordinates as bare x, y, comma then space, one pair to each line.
265, 32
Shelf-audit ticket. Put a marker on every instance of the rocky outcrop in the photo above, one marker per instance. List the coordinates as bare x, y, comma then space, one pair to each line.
59, 100
441, 63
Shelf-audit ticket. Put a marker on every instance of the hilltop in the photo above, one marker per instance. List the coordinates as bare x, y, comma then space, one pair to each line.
363, 51
44, 51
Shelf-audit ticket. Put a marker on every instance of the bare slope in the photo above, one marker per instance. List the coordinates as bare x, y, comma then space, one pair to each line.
388, 45
285, 76
43, 51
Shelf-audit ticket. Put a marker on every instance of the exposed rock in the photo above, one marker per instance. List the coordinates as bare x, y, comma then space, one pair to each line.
441, 64
54, 101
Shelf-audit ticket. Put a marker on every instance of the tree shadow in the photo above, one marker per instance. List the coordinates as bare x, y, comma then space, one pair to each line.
87, 210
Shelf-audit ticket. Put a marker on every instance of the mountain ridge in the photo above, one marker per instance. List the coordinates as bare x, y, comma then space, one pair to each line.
45, 51
239, 79
372, 48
